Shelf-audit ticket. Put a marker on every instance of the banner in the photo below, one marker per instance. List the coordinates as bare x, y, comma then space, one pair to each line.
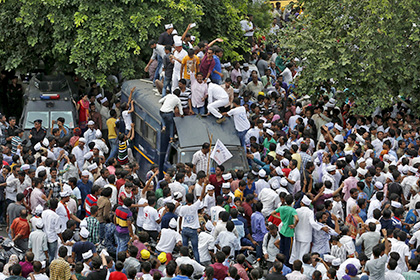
220, 153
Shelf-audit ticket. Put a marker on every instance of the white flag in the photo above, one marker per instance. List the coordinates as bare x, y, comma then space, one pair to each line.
220, 153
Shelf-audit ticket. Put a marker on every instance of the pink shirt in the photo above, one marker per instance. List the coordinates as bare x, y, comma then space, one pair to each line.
198, 92
349, 183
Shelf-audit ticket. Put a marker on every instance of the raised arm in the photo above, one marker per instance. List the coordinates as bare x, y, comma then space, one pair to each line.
131, 95
214, 41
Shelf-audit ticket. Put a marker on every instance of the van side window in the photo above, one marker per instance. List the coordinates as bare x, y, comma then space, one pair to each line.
145, 131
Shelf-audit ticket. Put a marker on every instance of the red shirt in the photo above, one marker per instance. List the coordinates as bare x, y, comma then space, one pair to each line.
217, 184
119, 183
247, 211
116, 275
220, 271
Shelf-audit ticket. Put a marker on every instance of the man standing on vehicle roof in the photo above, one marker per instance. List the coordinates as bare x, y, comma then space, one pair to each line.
217, 98
37, 133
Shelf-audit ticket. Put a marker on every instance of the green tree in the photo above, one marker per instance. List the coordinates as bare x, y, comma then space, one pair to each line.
370, 47
98, 38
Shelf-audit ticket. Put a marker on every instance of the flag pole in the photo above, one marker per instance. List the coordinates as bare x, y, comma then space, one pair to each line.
208, 160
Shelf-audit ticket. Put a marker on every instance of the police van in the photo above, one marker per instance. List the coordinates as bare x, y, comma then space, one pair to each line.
48, 98
151, 146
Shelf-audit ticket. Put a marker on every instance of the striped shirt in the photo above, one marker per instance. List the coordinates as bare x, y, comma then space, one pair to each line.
16, 141
200, 160
123, 152
89, 202
122, 216
184, 97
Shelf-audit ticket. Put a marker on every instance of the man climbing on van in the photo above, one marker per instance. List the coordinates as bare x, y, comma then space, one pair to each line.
217, 98
169, 102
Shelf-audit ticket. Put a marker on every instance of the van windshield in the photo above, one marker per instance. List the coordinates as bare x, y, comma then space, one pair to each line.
37, 115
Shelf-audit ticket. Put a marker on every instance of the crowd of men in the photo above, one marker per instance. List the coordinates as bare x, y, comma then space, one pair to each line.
329, 194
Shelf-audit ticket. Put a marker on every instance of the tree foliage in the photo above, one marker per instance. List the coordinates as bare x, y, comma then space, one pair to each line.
370, 47
97, 38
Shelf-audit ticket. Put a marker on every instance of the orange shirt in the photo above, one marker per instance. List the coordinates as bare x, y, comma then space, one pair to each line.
21, 226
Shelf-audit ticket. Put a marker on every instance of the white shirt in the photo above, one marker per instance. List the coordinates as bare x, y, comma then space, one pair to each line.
287, 76
342, 269
205, 244
374, 204
150, 218
239, 118
208, 203
40, 276
402, 249
79, 153
227, 238
177, 187
169, 102
178, 55
393, 275
270, 199
415, 239
52, 225
198, 268
216, 92
101, 146
62, 213
140, 214
246, 27
89, 135
189, 214
294, 175
200, 160
260, 185
101, 181
168, 239
114, 195
214, 213
127, 119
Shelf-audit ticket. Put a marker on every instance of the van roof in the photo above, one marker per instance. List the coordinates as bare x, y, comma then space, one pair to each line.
144, 96
193, 131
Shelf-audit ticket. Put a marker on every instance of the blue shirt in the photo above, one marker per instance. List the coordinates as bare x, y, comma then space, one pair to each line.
217, 67
258, 226
244, 221
363, 214
239, 227
249, 191
411, 218
85, 189
167, 218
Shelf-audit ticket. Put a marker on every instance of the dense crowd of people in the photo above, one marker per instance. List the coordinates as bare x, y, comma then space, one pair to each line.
329, 194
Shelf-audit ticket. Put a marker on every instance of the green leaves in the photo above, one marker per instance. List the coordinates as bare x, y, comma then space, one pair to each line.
98, 38
370, 47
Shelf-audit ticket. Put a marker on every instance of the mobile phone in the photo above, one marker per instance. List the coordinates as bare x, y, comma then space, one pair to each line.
193, 25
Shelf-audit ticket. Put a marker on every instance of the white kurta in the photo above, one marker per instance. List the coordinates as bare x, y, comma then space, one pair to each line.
303, 233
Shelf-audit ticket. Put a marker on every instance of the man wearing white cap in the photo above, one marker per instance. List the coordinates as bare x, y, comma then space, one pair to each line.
62, 210
100, 143
166, 38
38, 242
303, 230
79, 151
329, 176
409, 181
206, 243
261, 183
89, 134
83, 246
178, 56
269, 198
169, 238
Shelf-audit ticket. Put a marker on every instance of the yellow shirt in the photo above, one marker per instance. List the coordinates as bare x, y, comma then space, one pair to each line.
190, 66
239, 193
110, 123
298, 158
